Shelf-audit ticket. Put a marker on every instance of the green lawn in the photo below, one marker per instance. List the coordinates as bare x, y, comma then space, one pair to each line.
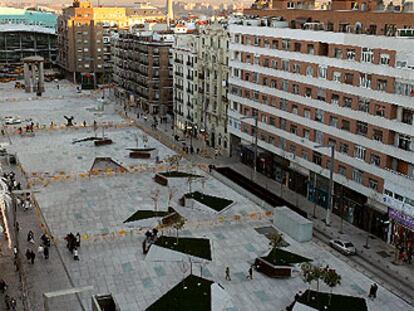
193, 293
280, 257
216, 203
145, 214
320, 301
191, 246
178, 174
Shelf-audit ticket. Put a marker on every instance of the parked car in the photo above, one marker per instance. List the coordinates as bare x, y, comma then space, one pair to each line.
345, 247
12, 120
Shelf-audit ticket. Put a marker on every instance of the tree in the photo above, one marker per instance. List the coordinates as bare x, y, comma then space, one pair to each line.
312, 273
332, 279
276, 240
155, 195
178, 225
171, 192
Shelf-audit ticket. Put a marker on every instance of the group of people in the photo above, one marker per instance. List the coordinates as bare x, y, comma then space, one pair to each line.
10, 302
150, 238
373, 291
43, 248
11, 182
73, 242
248, 276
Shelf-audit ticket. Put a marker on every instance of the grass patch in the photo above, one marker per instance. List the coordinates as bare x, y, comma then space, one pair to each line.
280, 257
179, 174
193, 293
215, 203
191, 246
320, 301
145, 214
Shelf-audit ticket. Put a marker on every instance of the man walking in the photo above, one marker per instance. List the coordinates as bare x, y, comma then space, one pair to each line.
46, 252
250, 275
228, 278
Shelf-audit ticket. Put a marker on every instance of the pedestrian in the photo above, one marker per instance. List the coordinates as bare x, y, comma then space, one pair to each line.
58, 86
17, 227
228, 278
40, 249
84, 123
32, 257
75, 254
15, 251
46, 252
27, 254
374, 291
371, 291
250, 275
30, 237
3, 286
78, 239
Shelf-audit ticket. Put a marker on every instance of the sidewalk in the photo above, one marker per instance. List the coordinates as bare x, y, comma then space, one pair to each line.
379, 253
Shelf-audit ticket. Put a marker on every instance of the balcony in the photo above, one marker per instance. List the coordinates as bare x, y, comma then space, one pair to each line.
179, 74
178, 61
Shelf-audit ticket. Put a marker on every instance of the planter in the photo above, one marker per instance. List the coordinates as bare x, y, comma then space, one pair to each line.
139, 155
103, 142
159, 179
271, 270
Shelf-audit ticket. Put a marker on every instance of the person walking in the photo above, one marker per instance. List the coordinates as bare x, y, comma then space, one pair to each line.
15, 251
375, 289
32, 257
250, 273
78, 239
228, 278
75, 254
46, 252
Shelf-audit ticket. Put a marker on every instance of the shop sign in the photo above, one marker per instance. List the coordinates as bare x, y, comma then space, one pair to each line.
401, 218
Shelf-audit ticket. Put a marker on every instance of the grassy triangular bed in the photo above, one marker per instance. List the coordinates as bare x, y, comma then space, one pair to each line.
280, 257
193, 293
145, 214
179, 174
192, 246
320, 301
213, 202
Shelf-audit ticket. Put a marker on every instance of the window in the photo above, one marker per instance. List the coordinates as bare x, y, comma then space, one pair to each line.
319, 137
377, 135
362, 128
294, 109
321, 94
359, 152
307, 113
316, 158
272, 121
286, 44
309, 71
342, 170
274, 64
375, 159
275, 44
308, 92
310, 49
335, 99
319, 115
285, 65
381, 85
345, 125
336, 76
363, 105
367, 55
293, 129
296, 89
365, 80
388, 193
373, 184
284, 85
349, 78
384, 59
350, 54
333, 121
404, 89
343, 148
304, 154
404, 142
283, 104
357, 175
379, 110
306, 134
338, 53
298, 46
347, 102
283, 124
322, 70
295, 68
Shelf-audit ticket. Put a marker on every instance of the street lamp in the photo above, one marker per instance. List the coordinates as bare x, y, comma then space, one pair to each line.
331, 182
255, 117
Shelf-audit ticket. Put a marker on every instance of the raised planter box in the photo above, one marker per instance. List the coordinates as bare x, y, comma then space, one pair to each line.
271, 270
102, 142
159, 179
139, 155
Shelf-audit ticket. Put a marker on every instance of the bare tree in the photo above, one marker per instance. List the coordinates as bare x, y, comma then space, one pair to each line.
155, 196
178, 225
171, 192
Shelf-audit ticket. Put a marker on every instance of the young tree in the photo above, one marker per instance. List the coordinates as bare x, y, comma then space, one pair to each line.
178, 225
171, 192
155, 195
276, 240
332, 279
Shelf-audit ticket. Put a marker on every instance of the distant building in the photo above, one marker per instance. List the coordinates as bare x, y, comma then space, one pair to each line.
26, 33
85, 38
143, 73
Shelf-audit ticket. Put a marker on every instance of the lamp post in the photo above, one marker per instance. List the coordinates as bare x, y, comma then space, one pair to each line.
331, 183
255, 117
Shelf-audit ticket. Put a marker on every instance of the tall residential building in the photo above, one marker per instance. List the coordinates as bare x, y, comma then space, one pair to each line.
200, 84
143, 73
342, 77
85, 38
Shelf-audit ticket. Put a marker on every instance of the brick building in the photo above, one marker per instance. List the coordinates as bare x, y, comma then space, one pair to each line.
341, 77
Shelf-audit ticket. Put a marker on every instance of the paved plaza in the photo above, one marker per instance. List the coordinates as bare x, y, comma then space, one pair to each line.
111, 258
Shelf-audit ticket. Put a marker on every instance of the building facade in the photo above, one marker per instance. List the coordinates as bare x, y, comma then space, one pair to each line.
143, 71
200, 84
85, 36
330, 78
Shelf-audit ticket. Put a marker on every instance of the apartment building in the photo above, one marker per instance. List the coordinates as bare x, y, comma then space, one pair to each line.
84, 38
200, 84
143, 71
341, 77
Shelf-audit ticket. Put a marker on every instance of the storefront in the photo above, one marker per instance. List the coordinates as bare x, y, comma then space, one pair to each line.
402, 229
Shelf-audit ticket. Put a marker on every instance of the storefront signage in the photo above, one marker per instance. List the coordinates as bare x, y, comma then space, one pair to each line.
401, 218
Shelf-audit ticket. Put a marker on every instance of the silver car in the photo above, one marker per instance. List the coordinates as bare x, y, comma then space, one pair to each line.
345, 247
